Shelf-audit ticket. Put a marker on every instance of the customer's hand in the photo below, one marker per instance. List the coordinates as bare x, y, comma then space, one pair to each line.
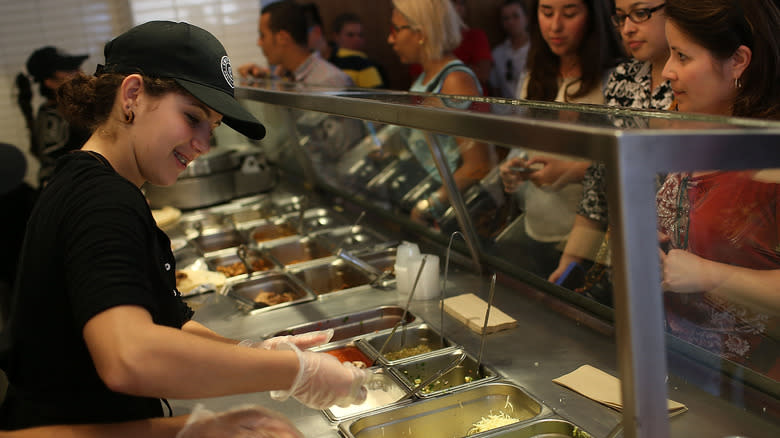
242, 422
253, 70
510, 177
303, 341
685, 272
323, 381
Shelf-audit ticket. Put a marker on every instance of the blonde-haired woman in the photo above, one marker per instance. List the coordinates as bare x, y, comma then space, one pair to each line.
426, 32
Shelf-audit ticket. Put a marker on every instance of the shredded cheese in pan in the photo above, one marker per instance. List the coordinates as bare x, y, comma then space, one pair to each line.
490, 422
493, 421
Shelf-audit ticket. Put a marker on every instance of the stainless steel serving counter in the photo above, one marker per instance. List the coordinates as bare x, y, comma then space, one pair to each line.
544, 345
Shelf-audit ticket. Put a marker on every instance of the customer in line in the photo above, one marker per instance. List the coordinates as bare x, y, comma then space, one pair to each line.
722, 228
509, 57
573, 51
635, 83
426, 32
346, 52
98, 331
474, 47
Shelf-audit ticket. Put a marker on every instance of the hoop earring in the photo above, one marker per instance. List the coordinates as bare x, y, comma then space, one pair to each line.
737, 83
129, 117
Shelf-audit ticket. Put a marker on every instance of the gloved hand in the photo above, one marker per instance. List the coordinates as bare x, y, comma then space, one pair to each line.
323, 381
242, 422
303, 341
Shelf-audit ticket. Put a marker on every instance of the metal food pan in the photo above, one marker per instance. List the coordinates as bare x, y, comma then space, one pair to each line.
451, 415
383, 392
252, 214
229, 263
271, 230
463, 376
406, 343
332, 277
354, 324
316, 219
352, 238
212, 242
293, 251
189, 223
255, 292
383, 260
544, 428
286, 203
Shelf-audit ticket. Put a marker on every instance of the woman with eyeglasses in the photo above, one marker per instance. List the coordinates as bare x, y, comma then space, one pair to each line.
509, 57
573, 50
635, 83
721, 273
426, 32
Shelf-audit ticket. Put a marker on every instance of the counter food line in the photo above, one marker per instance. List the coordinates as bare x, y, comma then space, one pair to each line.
292, 246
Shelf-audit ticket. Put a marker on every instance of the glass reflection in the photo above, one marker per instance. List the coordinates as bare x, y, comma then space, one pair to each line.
720, 257
723, 222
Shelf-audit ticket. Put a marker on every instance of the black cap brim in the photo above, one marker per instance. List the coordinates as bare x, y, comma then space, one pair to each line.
233, 114
71, 63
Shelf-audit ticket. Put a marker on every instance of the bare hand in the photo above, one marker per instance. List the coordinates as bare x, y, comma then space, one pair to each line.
555, 173
511, 178
418, 216
684, 272
253, 70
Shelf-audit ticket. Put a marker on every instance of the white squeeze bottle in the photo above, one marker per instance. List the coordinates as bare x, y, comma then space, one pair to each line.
406, 255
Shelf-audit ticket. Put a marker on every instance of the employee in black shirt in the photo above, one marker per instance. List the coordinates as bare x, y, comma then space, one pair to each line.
98, 331
51, 136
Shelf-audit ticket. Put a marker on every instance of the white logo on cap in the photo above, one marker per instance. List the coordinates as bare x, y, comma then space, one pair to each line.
227, 71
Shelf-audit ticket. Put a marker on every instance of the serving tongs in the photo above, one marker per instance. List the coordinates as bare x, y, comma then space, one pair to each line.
300, 229
352, 230
435, 376
444, 286
242, 253
487, 316
376, 277
402, 321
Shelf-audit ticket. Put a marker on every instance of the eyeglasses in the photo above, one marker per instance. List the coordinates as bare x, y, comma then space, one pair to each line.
509, 70
395, 29
636, 16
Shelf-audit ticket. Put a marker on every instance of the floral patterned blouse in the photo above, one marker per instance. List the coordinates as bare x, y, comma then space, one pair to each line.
730, 218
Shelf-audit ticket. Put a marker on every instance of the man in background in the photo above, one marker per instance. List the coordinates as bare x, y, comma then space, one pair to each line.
347, 54
283, 38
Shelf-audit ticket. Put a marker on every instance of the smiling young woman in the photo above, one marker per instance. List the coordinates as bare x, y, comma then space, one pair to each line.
96, 287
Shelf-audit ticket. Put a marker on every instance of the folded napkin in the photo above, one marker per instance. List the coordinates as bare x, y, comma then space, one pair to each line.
603, 388
470, 310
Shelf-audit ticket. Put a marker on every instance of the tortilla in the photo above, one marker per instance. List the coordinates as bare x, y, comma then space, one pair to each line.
188, 279
166, 216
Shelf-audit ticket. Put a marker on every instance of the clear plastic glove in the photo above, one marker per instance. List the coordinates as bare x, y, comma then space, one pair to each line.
303, 341
242, 422
323, 381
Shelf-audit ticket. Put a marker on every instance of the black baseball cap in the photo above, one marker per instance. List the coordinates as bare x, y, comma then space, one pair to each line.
192, 57
45, 61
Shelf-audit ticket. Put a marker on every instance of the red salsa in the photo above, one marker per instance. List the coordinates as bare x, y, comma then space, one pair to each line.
350, 354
